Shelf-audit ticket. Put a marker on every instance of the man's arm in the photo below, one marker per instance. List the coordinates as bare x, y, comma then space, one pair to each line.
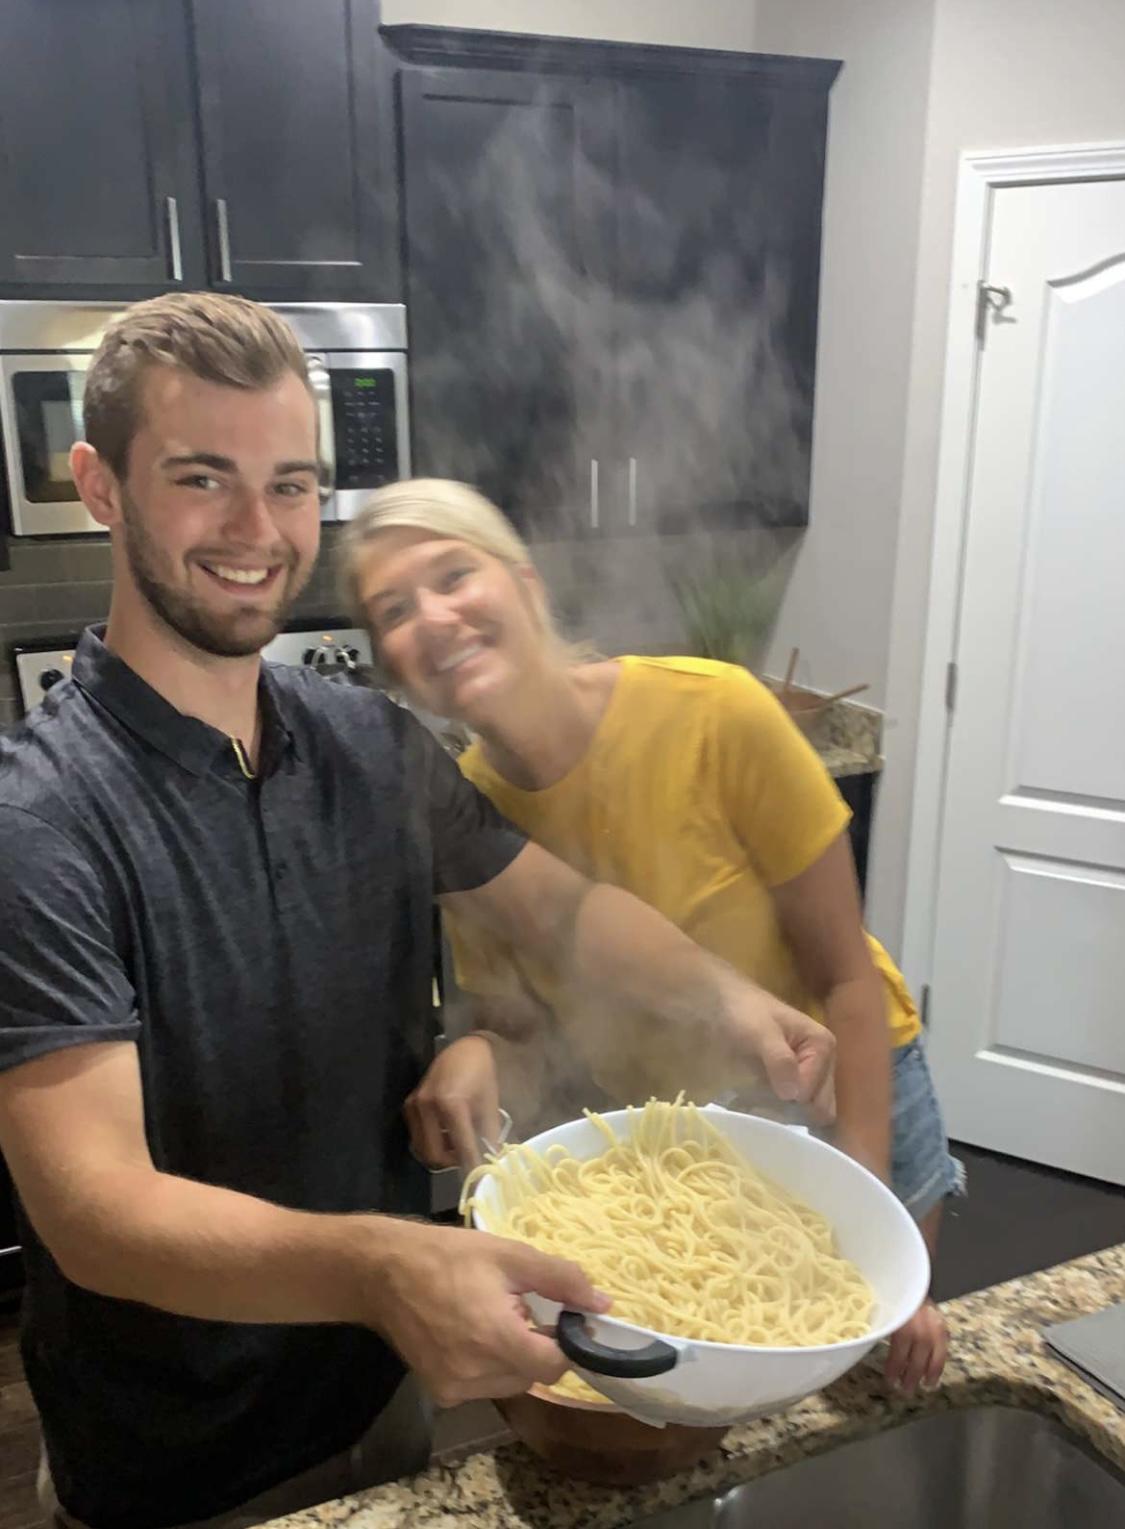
601, 940
72, 1130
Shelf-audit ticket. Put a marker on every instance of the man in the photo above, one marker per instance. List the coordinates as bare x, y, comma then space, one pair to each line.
216, 883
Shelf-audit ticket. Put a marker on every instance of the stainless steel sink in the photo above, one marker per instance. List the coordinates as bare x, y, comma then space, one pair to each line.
979, 1468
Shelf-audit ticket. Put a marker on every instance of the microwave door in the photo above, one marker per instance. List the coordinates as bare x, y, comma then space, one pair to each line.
41, 415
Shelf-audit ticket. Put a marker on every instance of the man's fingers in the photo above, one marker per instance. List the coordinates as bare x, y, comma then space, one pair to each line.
538, 1358
556, 1279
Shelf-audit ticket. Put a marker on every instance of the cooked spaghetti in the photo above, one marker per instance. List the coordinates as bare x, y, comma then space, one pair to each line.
686, 1236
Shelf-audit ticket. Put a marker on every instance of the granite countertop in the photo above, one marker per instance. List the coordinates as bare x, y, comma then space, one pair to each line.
997, 1357
841, 761
848, 737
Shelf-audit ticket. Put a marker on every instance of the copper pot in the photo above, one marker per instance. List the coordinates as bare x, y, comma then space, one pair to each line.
597, 1442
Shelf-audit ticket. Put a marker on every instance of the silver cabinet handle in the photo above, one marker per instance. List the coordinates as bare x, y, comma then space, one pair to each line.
175, 255
632, 491
222, 228
595, 508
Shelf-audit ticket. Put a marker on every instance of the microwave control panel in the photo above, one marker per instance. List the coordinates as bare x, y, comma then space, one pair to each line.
363, 414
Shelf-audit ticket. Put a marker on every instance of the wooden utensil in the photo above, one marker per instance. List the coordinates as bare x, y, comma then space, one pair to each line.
789, 673
842, 695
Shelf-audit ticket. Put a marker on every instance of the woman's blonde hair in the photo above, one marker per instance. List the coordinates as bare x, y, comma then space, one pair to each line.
443, 508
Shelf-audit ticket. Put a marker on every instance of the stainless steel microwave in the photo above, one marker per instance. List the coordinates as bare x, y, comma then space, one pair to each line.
357, 367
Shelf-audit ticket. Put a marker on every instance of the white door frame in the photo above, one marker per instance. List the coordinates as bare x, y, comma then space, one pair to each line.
980, 176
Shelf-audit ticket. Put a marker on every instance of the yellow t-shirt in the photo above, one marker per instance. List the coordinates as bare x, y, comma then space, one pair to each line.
698, 794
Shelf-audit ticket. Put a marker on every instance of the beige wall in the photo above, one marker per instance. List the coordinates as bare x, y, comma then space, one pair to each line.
837, 604
1006, 74
701, 24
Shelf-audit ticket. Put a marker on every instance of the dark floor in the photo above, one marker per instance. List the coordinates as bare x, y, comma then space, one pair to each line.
1017, 1218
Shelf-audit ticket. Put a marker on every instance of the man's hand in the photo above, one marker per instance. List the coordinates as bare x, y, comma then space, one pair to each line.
918, 1350
456, 1107
451, 1303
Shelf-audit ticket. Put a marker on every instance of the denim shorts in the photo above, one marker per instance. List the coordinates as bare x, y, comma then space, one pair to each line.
922, 1170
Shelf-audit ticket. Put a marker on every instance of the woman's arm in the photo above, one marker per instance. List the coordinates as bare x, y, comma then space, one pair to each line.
819, 914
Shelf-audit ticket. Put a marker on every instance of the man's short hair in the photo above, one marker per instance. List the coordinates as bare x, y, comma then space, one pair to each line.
213, 335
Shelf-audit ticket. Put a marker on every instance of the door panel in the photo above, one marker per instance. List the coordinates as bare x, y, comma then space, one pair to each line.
96, 137
1071, 734
718, 233
1028, 972
1065, 1012
296, 111
505, 180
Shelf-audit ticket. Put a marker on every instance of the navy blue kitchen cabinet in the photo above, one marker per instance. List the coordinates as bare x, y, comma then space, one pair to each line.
296, 123
147, 145
98, 183
613, 259
506, 185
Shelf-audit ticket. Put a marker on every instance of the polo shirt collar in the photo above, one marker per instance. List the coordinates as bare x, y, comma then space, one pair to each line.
187, 741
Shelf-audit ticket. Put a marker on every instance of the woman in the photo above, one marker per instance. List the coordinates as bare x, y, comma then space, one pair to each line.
680, 779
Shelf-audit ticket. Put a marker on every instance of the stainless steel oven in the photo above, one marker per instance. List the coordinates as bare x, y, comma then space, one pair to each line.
357, 367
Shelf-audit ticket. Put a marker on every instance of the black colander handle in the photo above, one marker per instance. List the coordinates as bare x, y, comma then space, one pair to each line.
656, 1358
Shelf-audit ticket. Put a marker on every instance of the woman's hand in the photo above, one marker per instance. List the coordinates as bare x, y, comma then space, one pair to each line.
456, 1106
918, 1350
796, 1053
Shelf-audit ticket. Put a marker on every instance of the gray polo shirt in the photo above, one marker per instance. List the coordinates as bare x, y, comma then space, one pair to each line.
267, 944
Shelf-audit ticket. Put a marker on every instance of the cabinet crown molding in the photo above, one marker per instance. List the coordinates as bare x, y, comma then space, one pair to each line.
462, 47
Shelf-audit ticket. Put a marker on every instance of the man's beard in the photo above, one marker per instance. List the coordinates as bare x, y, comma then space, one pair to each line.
234, 636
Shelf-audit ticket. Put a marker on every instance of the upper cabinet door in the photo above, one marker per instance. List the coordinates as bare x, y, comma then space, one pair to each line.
97, 156
718, 228
297, 124
508, 194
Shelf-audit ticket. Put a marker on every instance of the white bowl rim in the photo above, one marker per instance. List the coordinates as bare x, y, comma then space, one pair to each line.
867, 1340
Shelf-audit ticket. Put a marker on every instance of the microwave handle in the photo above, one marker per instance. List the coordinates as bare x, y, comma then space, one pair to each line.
321, 385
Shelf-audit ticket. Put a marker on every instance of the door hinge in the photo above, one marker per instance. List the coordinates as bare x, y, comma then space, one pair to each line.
991, 299
924, 1006
951, 684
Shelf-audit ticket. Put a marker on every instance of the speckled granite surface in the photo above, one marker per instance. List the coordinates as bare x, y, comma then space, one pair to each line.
998, 1357
848, 737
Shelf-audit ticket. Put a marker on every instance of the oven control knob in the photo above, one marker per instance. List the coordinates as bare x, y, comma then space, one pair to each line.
50, 677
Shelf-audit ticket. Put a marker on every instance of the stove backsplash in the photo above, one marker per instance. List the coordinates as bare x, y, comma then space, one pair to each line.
61, 586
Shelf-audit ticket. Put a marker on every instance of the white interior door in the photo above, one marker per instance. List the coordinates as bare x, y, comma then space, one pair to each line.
1028, 977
